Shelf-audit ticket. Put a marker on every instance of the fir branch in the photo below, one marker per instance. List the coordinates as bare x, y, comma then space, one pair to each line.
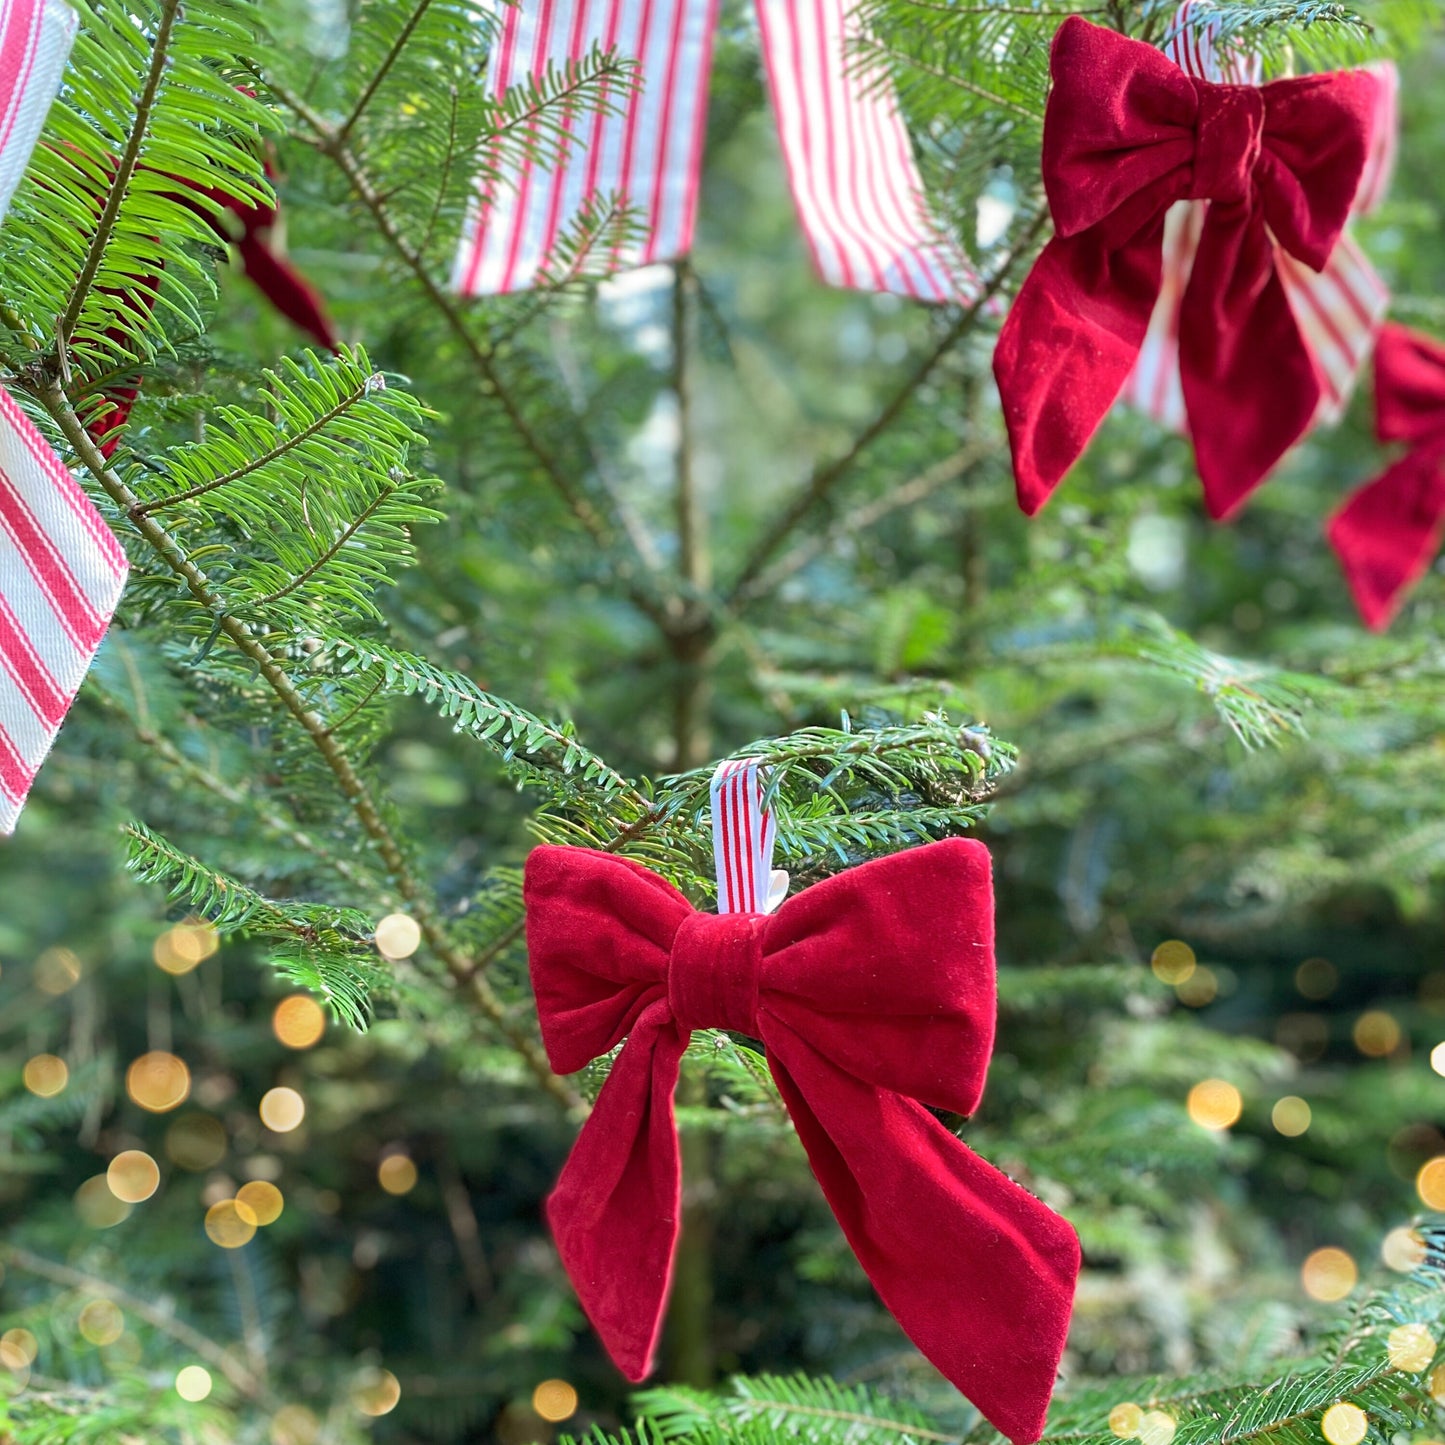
383, 70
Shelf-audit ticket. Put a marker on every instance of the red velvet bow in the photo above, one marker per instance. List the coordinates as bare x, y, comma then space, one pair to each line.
1126, 135
873, 992
1388, 532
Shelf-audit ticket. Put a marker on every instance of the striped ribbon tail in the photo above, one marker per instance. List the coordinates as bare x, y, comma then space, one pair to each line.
61, 576
854, 180
743, 835
35, 40
644, 155
1338, 310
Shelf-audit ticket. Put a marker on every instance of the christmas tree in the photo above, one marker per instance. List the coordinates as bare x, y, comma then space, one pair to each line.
276, 1117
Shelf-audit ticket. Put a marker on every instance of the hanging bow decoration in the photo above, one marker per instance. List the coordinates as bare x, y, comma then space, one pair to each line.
873, 992
1127, 134
61, 570
855, 183
1388, 532
1338, 310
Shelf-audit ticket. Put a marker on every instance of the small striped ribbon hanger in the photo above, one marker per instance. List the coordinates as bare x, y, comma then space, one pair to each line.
1338, 310
61, 570
743, 835
851, 169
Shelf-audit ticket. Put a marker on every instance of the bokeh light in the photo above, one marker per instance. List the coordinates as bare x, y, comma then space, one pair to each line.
263, 1199
193, 1383
1200, 988
376, 1392
158, 1081
1344, 1424
18, 1349
196, 1142
180, 949
45, 1075
294, 1425
1291, 1116
1316, 978
1437, 1384
555, 1401
298, 1021
1376, 1033
1172, 962
101, 1322
1437, 1058
1410, 1348
1215, 1104
230, 1224
1430, 1183
97, 1206
133, 1176
1328, 1274
398, 936
1403, 1249
396, 1174
57, 971
1125, 1419
1156, 1428
282, 1110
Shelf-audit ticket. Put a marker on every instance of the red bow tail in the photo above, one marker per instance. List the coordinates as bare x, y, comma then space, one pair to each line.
873, 993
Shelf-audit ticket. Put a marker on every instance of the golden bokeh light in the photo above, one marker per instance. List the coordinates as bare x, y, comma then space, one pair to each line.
1291, 1116
555, 1401
1316, 978
193, 1383
1200, 988
298, 1021
1376, 1033
1403, 1249
1125, 1419
1430, 1183
1437, 1384
181, 948
230, 1224
1328, 1274
1172, 962
376, 1392
1344, 1424
196, 1142
1410, 1348
158, 1081
263, 1199
101, 1322
398, 936
133, 1176
1437, 1058
396, 1174
1215, 1104
57, 971
46, 1075
1156, 1428
294, 1425
18, 1349
97, 1206
282, 1110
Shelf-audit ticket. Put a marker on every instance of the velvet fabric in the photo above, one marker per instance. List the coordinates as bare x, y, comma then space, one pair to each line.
873, 992
1127, 134
1387, 533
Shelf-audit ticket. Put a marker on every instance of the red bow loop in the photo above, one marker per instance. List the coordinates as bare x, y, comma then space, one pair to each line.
1409, 386
871, 991
1228, 135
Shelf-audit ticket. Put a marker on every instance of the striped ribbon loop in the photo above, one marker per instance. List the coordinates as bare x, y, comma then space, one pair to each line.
35, 40
855, 184
743, 835
1338, 310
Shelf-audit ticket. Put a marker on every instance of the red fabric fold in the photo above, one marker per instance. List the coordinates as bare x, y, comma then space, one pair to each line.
1126, 135
873, 993
1388, 532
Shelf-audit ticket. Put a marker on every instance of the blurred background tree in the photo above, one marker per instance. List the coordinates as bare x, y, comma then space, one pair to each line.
683, 509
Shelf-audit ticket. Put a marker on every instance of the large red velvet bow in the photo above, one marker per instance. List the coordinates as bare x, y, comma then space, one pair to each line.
1127, 134
873, 992
1388, 532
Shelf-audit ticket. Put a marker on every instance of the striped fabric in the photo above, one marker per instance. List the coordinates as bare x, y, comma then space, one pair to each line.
35, 39
742, 840
1338, 310
854, 181
61, 575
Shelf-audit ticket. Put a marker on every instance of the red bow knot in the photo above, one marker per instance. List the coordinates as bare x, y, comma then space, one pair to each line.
873, 993
1388, 532
1126, 135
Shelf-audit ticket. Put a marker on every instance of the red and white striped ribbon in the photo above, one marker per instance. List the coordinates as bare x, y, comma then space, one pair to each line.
743, 835
61, 570
850, 165
1338, 310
